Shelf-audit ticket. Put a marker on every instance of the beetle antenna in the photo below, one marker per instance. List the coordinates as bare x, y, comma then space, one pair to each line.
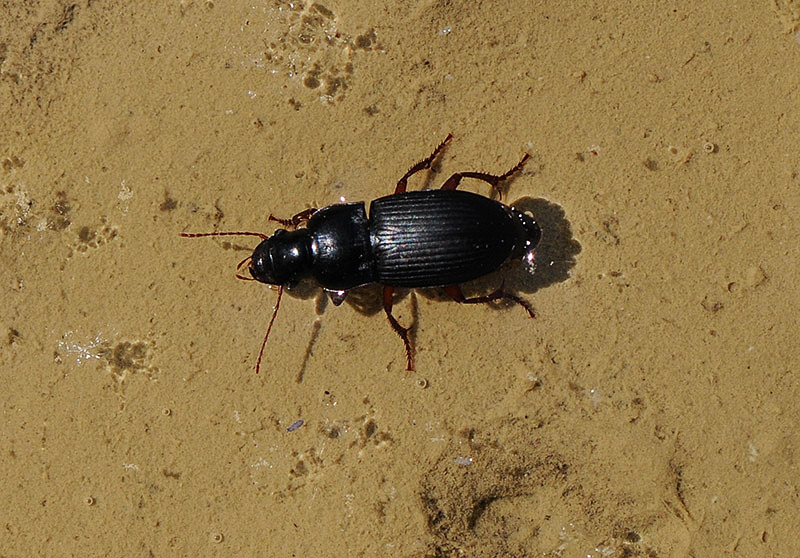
262, 236
269, 328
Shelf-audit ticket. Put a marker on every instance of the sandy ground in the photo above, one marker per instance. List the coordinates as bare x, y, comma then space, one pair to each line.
651, 407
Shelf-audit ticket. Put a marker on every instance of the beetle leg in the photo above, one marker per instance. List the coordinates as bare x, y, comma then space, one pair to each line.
454, 291
337, 297
424, 164
388, 293
493, 179
295, 221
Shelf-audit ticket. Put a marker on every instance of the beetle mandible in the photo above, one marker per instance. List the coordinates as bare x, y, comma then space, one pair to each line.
418, 239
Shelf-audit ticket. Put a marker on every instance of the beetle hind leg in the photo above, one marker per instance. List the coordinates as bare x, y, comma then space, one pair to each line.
388, 293
493, 179
454, 291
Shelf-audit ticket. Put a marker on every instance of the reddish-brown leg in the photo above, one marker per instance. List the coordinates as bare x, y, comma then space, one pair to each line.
296, 220
493, 179
422, 165
454, 291
388, 293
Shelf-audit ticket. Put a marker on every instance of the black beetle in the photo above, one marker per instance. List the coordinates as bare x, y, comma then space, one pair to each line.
420, 239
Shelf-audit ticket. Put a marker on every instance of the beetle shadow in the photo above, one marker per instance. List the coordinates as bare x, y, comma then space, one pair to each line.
554, 257
367, 300
555, 254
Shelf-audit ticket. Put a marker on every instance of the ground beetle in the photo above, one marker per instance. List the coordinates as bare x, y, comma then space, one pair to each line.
428, 238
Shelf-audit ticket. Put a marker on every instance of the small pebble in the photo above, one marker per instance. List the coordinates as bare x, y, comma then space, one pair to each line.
295, 425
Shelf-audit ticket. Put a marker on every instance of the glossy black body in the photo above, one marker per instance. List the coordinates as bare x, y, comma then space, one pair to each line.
429, 238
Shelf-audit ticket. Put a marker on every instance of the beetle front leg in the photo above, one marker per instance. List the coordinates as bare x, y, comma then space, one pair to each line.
454, 291
422, 165
493, 179
295, 221
388, 293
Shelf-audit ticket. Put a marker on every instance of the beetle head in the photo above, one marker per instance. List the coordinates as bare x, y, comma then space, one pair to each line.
283, 258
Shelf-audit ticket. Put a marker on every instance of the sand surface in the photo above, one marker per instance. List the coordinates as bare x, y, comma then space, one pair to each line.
651, 407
